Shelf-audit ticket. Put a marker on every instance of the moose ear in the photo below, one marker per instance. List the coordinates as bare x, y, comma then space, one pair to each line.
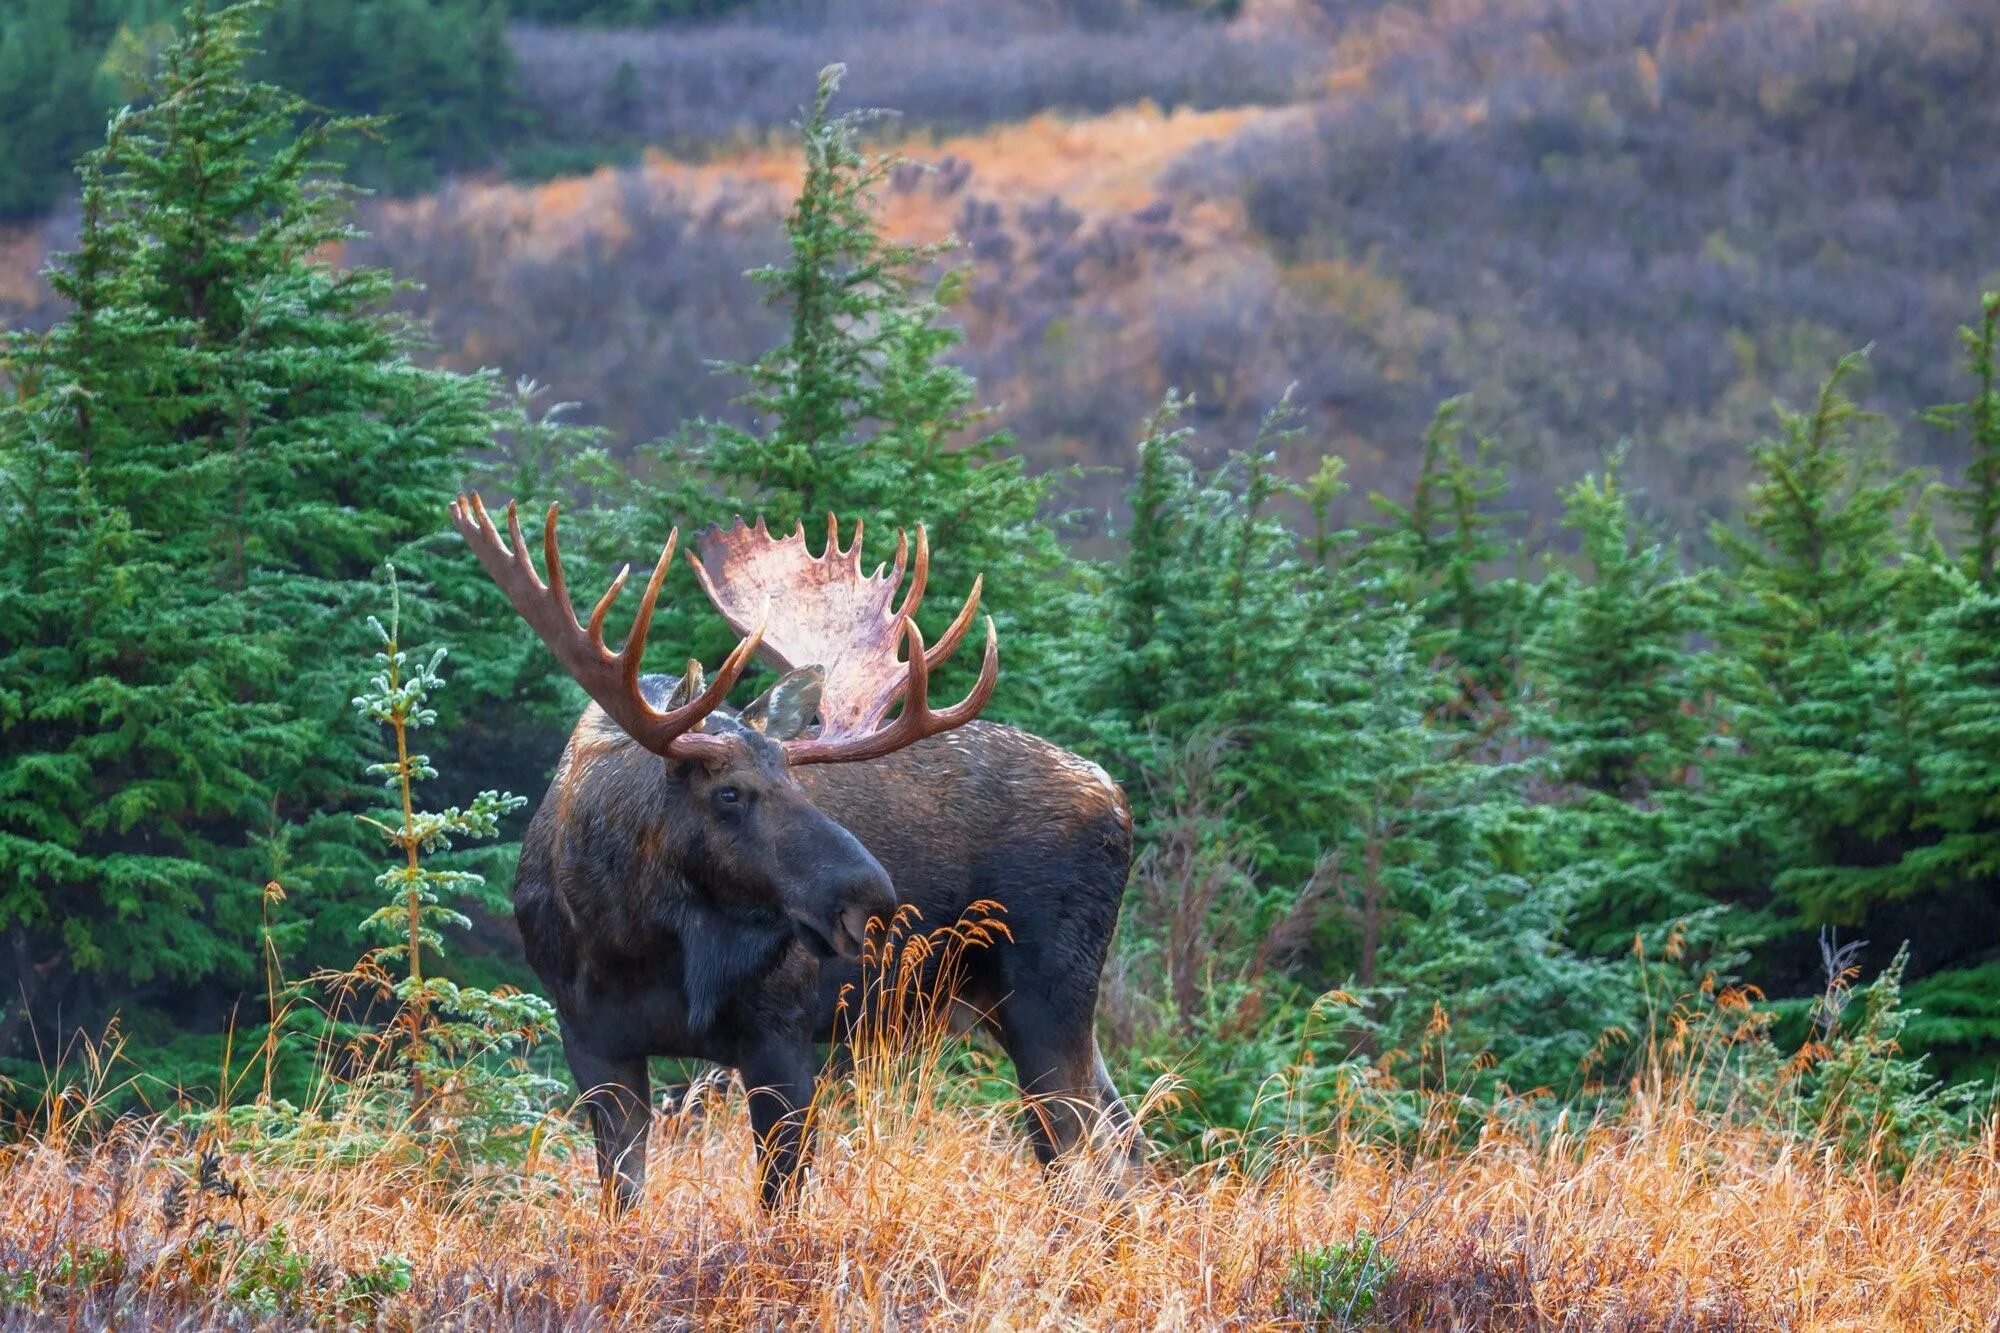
787, 708
689, 689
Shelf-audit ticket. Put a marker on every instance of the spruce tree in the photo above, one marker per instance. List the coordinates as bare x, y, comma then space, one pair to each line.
1216, 628
1951, 867
1816, 792
1461, 921
1820, 549
1958, 647
1447, 548
1977, 498
860, 413
461, 1046
859, 403
1954, 689
225, 436
1614, 697
1153, 582
132, 748
1611, 651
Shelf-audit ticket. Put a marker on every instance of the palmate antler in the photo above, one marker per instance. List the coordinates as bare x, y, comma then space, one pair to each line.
612, 679
835, 617
844, 621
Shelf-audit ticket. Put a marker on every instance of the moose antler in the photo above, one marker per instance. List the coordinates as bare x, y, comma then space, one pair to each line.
612, 679
845, 622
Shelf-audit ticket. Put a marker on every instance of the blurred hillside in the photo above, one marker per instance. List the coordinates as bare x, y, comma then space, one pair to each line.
1601, 218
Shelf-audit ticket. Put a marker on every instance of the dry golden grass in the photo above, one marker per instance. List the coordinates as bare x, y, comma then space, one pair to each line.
925, 1211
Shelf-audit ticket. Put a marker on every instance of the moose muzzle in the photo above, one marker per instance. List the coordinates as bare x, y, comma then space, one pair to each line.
841, 927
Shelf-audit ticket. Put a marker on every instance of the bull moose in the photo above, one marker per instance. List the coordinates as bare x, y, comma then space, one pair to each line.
700, 882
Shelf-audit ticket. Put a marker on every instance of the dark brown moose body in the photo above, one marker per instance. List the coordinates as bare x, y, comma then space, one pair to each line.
700, 883
992, 814
642, 958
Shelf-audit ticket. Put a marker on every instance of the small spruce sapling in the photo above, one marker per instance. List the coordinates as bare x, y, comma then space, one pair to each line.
1336, 1285
1866, 1095
451, 1035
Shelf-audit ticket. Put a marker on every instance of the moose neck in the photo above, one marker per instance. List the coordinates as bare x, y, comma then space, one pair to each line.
723, 955
662, 978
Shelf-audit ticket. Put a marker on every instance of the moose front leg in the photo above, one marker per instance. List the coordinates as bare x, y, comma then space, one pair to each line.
780, 1077
619, 1094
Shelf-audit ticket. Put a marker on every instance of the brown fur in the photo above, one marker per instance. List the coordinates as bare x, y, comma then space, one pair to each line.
660, 928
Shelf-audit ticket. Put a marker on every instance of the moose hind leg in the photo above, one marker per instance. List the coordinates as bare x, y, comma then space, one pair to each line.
1047, 975
1067, 1095
618, 1093
1117, 1123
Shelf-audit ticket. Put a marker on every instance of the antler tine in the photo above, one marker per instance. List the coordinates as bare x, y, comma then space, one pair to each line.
635, 642
981, 692
902, 558
917, 691
612, 679
919, 577
551, 558
604, 603
955, 632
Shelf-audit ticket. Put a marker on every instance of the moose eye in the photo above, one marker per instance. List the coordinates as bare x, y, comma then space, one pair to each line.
727, 798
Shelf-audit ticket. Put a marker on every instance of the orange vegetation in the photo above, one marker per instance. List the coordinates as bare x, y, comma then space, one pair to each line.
22, 256
925, 1211
1101, 165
